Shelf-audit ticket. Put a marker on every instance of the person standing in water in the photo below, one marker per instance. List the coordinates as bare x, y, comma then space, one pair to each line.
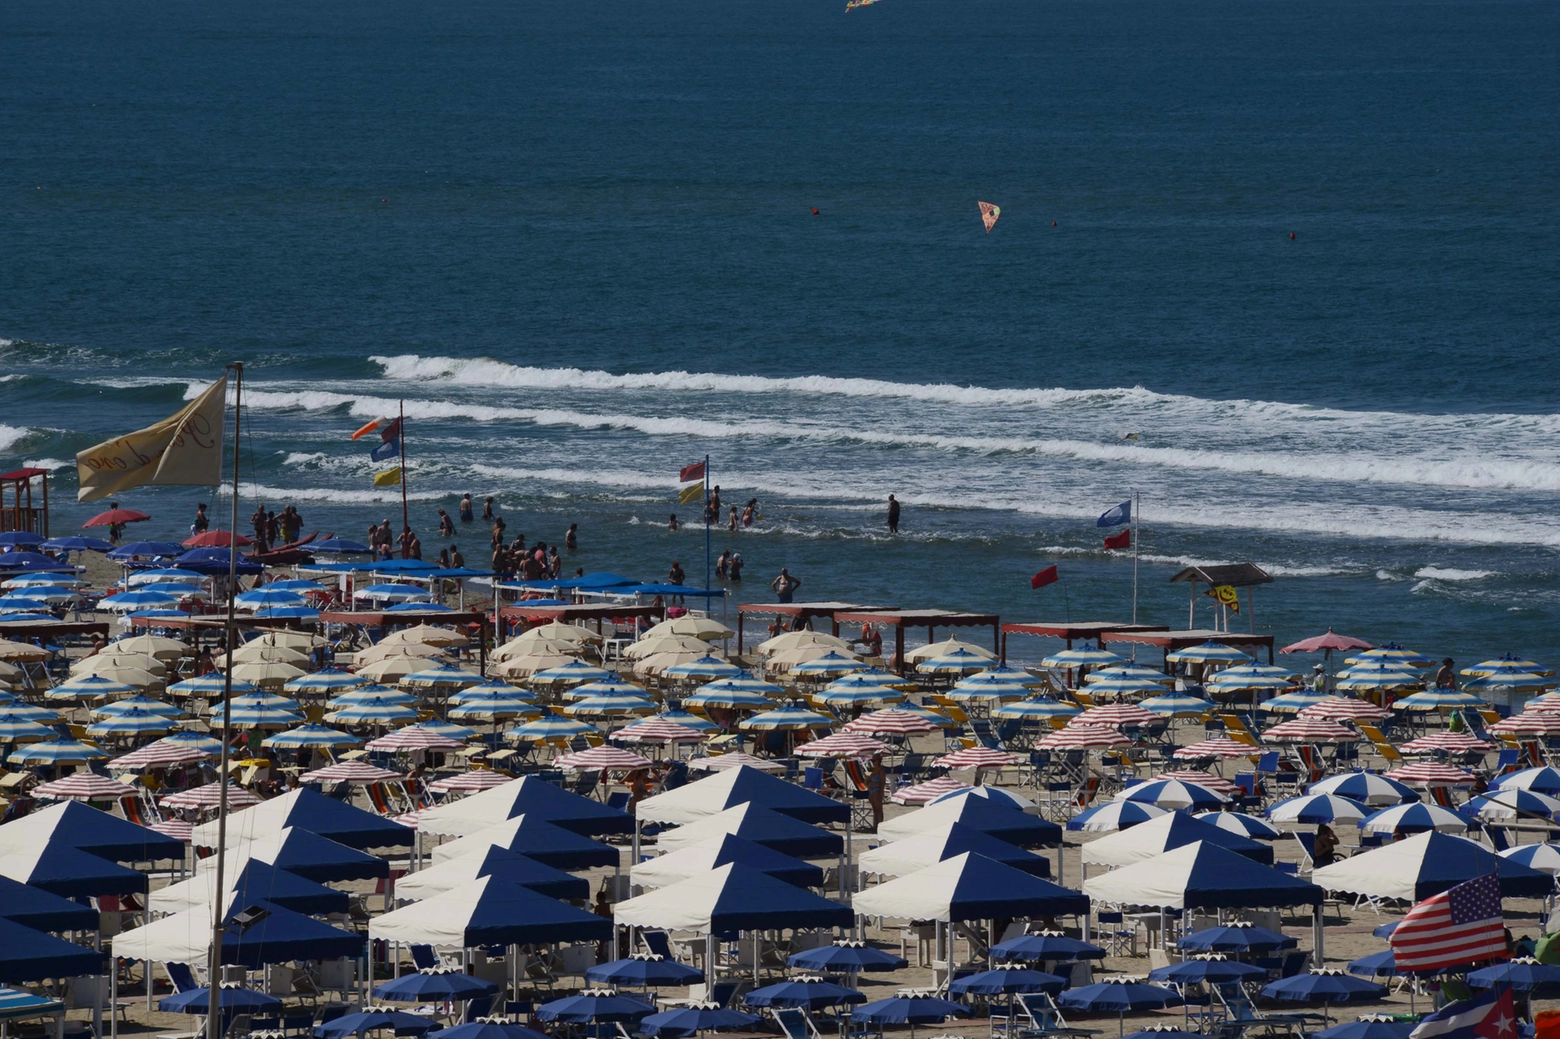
465, 508
785, 585
893, 515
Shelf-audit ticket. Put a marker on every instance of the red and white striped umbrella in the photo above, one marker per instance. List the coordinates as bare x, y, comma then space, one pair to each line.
921, 793
1549, 703
890, 723
414, 737
657, 730
1447, 742
734, 759
603, 758
207, 797
1118, 714
84, 786
349, 772
1344, 708
979, 757
477, 779
1218, 747
1083, 737
843, 745
1218, 784
1528, 723
178, 829
1432, 773
1310, 730
159, 754
409, 818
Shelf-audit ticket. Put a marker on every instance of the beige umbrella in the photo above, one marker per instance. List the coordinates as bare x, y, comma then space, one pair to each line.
943, 648
426, 635
648, 647
94, 665
655, 663
796, 639
699, 627
267, 674
392, 669
525, 645
10, 674
254, 653
374, 654
530, 664
153, 645
21, 651
299, 640
789, 658
566, 632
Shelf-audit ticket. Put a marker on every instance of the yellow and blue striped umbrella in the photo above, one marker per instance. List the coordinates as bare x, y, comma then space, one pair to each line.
134, 722
550, 727
1084, 656
492, 709
1210, 652
613, 686
493, 691
710, 667
1036, 708
371, 694
59, 751
1404, 659
88, 687
609, 706
371, 711
1437, 699
311, 735
15, 728
1177, 705
330, 680
791, 718
139, 702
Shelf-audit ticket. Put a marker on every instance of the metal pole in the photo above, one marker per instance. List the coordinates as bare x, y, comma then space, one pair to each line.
229, 634
1137, 534
401, 433
706, 528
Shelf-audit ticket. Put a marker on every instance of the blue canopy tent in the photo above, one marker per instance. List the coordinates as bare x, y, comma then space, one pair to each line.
313, 857
530, 796
536, 838
988, 815
596, 582
733, 898
29, 955
921, 850
79, 826
43, 910
741, 785
969, 887
262, 881
1427, 864
1166, 833
1202, 875
283, 935
372, 1020
677, 589
311, 810
435, 984
761, 826
509, 866
71, 872
489, 911
728, 847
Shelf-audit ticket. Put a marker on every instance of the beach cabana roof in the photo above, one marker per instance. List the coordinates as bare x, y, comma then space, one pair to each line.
732, 897
511, 867
254, 881
986, 814
489, 911
737, 786
78, 826
305, 854
1165, 833
700, 857
534, 838
43, 910
761, 826
969, 887
1427, 864
279, 937
1201, 875
29, 955
529, 796
70, 872
310, 810
900, 858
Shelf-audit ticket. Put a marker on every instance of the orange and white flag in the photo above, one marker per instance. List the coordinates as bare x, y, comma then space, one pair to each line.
989, 214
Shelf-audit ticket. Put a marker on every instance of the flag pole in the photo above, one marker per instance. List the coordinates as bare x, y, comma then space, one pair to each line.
401, 435
1137, 534
706, 526
229, 635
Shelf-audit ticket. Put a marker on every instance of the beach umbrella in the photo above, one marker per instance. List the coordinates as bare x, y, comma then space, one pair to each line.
550, 727
44, 594
17, 603
427, 635
1083, 656
1345, 708
260, 598
613, 686
1527, 724
956, 662
165, 753
530, 664
1118, 715
1366, 788
259, 652
863, 687
1293, 702
397, 651
260, 716
350, 772
1432, 773
108, 661
745, 682
1035, 708
1326, 643
806, 992
643, 971
978, 758
1083, 737
1543, 779
1127, 670
594, 1005
1377, 964
392, 593
17, 710
129, 602
1126, 686
134, 722
329, 680
1211, 652
298, 613
1510, 663
1310, 730
25, 538
846, 957
230, 1000
1218, 747
494, 710
708, 667
793, 639
1368, 1026
23, 652
1314, 809
210, 796
252, 696
1046, 945
423, 736
1206, 971
1241, 824
1239, 938
1439, 699
609, 706
372, 711
166, 575
695, 1018
84, 786
603, 758
469, 782
843, 745
435, 984
89, 687
442, 677
1325, 987
997, 796
830, 665
211, 685
931, 650
54, 577
574, 672
1177, 705
891, 722
1218, 784
1510, 682
678, 716
59, 751
1378, 678
1120, 997
924, 793
267, 674
1172, 793
1007, 979
1113, 815
371, 1019
1545, 703
1447, 743
1543, 857
310, 735
492, 690
791, 718
1502, 806
659, 729
1392, 654
1523, 974
1413, 818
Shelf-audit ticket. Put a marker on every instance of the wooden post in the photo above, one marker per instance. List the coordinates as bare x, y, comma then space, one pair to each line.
899, 647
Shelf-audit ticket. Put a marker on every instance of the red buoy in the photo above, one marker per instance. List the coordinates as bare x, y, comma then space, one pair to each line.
815, 210
1291, 236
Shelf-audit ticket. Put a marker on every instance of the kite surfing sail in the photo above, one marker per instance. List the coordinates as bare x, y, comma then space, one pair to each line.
989, 214
858, 3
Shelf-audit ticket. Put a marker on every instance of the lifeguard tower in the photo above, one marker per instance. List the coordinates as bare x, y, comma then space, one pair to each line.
17, 511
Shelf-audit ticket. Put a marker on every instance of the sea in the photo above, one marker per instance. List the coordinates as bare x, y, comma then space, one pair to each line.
1285, 273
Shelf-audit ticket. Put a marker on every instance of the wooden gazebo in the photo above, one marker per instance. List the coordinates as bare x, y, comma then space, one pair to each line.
19, 513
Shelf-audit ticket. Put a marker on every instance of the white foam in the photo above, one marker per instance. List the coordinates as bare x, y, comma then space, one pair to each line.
11, 435
1438, 573
1387, 575
51, 464
285, 495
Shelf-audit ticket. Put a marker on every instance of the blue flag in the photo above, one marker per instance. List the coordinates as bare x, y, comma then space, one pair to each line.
1488, 1015
1114, 517
388, 449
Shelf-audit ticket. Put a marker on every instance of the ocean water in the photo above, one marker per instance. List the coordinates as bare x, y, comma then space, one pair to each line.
1306, 252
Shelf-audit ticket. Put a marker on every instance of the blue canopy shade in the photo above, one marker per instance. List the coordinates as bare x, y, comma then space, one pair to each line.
313, 857
969, 887
1327, 987
846, 958
958, 838
512, 867
491, 912
1049, 946
145, 549
536, 798
311, 810
1216, 971
373, 1020
260, 881
996, 818
783, 834
1523, 975
1119, 998
284, 935
733, 898
586, 1008
1202, 875
589, 582
1367, 1030
71, 872
687, 1021
1235, 939
643, 972
29, 955
745, 785
1002, 981
229, 1000
436, 984
676, 589
789, 868
806, 993
78, 826
43, 910
542, 841
908, 1010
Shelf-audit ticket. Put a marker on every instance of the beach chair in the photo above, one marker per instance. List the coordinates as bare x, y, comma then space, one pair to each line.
657, 943
812, 779
1509, 760
1307, 842
1383, 746
481, 1006
181, 977
795, 1024
1312, 758
1084, 699
424, 957
619, 800
1236, 729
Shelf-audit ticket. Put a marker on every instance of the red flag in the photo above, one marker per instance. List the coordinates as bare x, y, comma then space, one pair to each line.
1122, 540
1043, 578
1459, 927
391, 431
691, 472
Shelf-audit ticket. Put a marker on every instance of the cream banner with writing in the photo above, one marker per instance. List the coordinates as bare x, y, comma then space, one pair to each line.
183, 449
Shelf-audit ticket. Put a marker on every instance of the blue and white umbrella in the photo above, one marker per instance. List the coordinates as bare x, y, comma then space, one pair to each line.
1510, 682
436, 984
173, 588
610, 707
1439, 699
261, 598
1503, 806
574, 672
60, 751
1125, 686
549, 727
613, 686
1293, 702
831, 663
311, 735
1543, 857
15, 728
1311, 809
24, 538
296, 585
848, 692
1242, 824
681, 1022
371, 694
135, 722
692, 721
373, 711
89, 687
129, 602
418, 606
76, 543
51, 594
265, 717
18, 603
138, 702
708, 667
297, 613
212, 684
1083, 656
330, 680
1172, 793
1543, 779
1114, 815
957, 662
1177, 705
1036, 708
17, 709
788, 719
443, 677
492, 709
1413, 818
643, 972
33, 580
729, 698
1366, 788
1377, 677
393, 593
1210, 652
159, 575
252, 697
493, 690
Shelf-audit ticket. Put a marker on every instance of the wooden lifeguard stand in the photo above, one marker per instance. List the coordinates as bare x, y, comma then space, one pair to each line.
18, 513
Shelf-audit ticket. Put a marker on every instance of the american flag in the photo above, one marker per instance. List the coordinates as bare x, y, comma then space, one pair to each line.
1459, 927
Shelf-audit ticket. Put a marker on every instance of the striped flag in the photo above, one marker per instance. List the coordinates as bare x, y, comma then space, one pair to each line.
1457, 928
1489, 1015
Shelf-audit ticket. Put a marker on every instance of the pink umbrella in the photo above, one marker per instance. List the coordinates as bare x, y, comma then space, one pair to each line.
1083, 737
159, 755
1218, 747
1528, 723
657, 730
178, 829
349, 772
477, 779
1432, 773
1118, 714
733, 759
410, 818
924, 792
603, 758
890, 723
84, 786
1446, 742
1549, 703
1327, 643
843, 745
1218, 784
978, 757
1310, 730
414, 737
1344, 708
207, 797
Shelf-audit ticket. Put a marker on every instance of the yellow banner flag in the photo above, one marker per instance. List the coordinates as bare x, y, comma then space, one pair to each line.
690, 494
184, 449
1226, 596
389, 478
